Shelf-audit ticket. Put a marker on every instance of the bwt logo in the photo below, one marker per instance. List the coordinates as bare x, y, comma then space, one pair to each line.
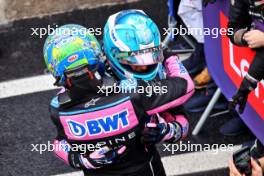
100, 125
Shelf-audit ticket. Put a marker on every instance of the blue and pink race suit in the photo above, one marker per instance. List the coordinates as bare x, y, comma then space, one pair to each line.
118, 120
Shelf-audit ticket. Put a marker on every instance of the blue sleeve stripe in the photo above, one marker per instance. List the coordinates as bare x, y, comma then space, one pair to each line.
54, 102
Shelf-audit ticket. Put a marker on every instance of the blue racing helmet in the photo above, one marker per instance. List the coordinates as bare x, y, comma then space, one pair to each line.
132, 40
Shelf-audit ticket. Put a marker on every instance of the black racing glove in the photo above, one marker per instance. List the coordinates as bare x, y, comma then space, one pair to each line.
206, 2
154, 133
158, 130
97, 159
240, 98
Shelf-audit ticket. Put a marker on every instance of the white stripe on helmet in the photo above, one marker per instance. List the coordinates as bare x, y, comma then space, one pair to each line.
119, 43
151, 45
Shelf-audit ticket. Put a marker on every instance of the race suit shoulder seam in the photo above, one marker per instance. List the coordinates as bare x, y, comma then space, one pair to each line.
96, 108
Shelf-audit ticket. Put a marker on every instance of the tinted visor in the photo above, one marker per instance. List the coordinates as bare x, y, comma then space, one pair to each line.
149, 56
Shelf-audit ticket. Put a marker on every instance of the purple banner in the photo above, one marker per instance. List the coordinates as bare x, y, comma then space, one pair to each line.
228, 63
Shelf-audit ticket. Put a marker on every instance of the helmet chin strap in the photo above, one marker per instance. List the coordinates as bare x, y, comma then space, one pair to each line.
85, 87
83, 79
88, 82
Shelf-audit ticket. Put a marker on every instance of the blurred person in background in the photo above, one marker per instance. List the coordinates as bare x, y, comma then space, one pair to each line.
205, 86
186, 12
246, 19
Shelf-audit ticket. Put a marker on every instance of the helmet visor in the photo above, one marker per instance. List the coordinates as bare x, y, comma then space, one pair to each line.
145, 57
